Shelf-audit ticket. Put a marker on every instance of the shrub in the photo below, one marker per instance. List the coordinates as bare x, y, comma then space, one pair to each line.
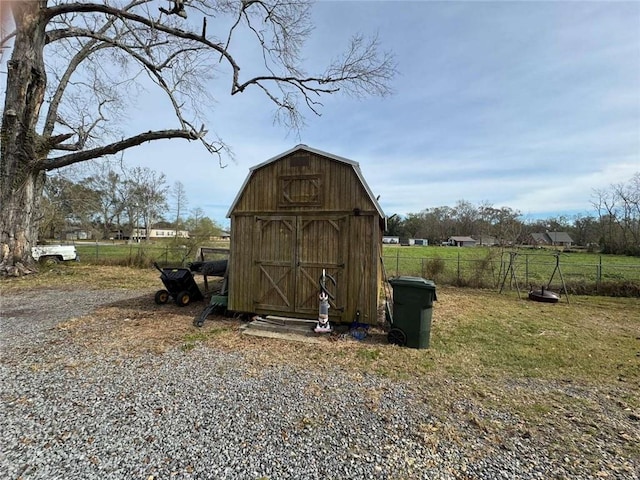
433, 268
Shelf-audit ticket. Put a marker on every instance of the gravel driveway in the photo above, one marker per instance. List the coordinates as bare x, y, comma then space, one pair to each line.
70, 412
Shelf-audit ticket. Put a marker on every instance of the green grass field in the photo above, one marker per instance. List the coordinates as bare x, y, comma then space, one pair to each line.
489, 266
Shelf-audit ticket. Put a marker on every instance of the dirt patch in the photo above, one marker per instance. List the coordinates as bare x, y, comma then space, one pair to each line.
137, 325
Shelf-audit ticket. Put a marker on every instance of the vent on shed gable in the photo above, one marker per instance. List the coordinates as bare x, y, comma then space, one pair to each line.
300, 190
299, 160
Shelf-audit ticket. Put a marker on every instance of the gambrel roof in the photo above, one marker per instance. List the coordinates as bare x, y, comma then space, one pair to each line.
353, 164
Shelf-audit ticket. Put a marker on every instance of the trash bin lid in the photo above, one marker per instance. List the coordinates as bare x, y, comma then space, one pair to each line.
414, 282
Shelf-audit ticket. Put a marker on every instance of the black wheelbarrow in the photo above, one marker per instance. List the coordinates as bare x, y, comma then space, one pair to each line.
179, 284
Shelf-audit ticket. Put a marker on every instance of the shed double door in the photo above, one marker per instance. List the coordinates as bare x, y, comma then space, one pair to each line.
290, 253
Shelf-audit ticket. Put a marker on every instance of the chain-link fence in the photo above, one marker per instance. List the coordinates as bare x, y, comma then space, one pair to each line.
141, 254
495, 270
521, 271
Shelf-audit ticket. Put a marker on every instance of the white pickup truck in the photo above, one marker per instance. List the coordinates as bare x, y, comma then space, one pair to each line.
54, 253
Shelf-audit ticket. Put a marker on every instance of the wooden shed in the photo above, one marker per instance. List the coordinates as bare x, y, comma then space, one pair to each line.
296, 214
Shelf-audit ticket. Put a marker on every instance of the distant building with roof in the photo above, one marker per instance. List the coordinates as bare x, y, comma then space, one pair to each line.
561, 239
486, 240
462, 242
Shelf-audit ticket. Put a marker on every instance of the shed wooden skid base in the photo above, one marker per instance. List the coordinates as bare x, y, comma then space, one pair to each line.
295, 329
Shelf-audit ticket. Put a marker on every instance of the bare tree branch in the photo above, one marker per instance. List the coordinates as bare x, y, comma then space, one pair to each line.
65, 160
82, 55
5, 38
90, 7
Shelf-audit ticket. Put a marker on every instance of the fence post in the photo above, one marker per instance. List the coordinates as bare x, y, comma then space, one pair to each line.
598, 274
458, 267
97, 255
397, 263
422, 272
526, 269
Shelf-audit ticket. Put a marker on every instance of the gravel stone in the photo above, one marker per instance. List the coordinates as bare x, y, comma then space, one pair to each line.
68, 412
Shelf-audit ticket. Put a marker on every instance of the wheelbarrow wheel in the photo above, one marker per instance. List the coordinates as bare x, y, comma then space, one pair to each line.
397, 337
162, 297
183, 299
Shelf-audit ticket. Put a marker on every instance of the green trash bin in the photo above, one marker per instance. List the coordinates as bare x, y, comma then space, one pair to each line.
413, 299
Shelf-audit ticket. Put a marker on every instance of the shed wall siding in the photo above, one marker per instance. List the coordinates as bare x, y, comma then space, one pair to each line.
276, 271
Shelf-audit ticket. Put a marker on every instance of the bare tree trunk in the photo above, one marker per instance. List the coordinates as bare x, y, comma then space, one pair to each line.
21, 181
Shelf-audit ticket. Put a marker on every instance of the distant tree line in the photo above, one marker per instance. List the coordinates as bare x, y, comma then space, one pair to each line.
109, 202
614, 227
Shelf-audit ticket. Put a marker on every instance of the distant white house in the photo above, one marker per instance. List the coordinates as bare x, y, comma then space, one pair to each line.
167, 233
77, 234
159, 233
391, 240
486, 240
419, 241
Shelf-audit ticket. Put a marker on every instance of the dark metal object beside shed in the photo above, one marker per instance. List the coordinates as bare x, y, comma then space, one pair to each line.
296, 214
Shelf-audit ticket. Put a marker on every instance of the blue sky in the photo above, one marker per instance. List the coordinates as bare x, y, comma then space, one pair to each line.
530, 105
